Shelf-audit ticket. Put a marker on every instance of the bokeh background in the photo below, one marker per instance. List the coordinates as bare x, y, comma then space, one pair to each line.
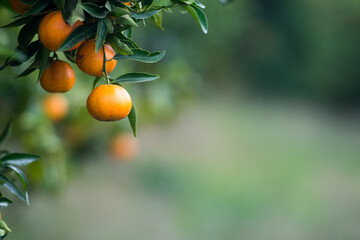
252, 132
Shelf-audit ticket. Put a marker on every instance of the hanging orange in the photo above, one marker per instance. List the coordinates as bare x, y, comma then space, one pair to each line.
92, 63
58, 77
53, 30
109, 103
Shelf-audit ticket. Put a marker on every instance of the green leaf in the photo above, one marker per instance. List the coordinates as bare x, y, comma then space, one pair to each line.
143, 15
70, 57
28, 32
161, 3
109, 25
95, 10
108, 6
119, 11
142, 56
126, 20
96, 80
19, 22
118, 46
132, 119
60, 4
157, 20
44, 60
136, 78
12, 187
199, 16
37, 7
199, 4
29, 70
4, 202
20, 174
4, 226
6, 132
76, 15
79, 34
18, 159
101, 34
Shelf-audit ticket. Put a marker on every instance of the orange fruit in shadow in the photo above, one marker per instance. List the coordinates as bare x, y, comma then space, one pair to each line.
58, 77
55, 107
124, 147
53, 30
109, 103
92, 63
18, 6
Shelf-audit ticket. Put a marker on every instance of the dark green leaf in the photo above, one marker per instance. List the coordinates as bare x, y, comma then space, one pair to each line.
119, 11
44, 60
79, 34
126, 20
20, 174
136, 78
118, 46
109, 25
101, 34
143, 15
4, 202
142, 56
28, 32
18, 159
132, 119
95, 10
18, 22
76, 15
68, 8
37, 7
199, 4
96, 80
27, 71
6, 132
70, 57
199, 16
11, 186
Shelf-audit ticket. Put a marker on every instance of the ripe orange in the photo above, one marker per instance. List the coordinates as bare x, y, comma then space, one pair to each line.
128, 3
53, 30
124, 147
55, 107
109, 103
92, 63
58, 77
18, 6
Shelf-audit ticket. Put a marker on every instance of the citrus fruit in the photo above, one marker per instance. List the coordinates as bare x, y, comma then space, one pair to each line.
124, 147
109, 103
53, 30
18, 6
58, 77
92, 63
55, 107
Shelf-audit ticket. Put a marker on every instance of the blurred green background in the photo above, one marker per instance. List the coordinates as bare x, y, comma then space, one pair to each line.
252, 132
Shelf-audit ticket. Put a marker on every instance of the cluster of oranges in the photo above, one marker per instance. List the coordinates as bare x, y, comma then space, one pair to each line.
106, 102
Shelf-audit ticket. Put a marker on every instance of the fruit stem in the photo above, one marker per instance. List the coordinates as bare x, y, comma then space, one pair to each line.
104, 65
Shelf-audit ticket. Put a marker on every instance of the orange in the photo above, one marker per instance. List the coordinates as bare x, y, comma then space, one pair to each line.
128, 3
58, 77
55, 107
109, 103
53, 30
18, 6
124, 147
92, 63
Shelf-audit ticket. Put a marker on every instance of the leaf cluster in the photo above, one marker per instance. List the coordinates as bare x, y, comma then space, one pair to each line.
10, 173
